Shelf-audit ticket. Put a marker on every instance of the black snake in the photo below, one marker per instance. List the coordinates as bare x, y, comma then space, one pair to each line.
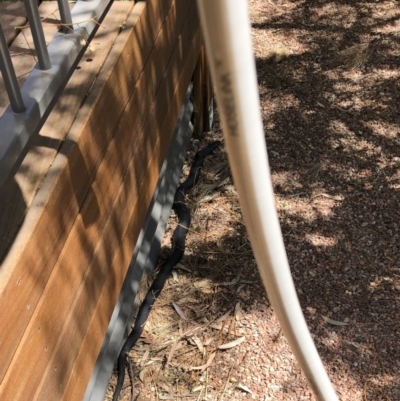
178, 249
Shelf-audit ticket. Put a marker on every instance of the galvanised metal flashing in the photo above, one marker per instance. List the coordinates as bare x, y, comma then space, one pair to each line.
145, 254
41, 88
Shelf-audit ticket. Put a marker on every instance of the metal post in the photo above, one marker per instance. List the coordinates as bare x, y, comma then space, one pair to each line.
65, 14
37, 34
9, 77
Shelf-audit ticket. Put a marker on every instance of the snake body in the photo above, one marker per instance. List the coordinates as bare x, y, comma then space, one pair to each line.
178, 249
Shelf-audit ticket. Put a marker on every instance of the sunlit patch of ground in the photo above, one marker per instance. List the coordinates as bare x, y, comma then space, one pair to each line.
328, 76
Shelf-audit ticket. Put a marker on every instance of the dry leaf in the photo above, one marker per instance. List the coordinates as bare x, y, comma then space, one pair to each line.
179, 311
244, 388
175, 276
204, 367
180, 266
197, 388
141, 375
238, 311
232, 344
174, 347
145, 356
147, 327
334, 197
224, 283
223, 317
198, 343
334, 322
154, 360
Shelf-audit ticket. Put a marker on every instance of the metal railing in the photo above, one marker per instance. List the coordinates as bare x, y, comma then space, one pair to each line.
29, 104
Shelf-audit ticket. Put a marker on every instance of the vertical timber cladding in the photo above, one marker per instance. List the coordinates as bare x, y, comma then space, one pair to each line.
73, 304
30, 262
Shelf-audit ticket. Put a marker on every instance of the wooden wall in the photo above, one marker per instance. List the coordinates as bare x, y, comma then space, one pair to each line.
63, 272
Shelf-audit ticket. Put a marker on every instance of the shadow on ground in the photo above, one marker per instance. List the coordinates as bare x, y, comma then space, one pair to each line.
328, 76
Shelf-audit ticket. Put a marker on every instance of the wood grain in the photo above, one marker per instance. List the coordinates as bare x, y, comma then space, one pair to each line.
29, 263
127, 203
92, 338
80, 249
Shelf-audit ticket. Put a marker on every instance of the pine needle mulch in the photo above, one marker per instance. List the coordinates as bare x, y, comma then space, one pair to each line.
329, 85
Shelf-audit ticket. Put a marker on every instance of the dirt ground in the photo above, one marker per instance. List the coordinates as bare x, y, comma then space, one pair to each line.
329, 85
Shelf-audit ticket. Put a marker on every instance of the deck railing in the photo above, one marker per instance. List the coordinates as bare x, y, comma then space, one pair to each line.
30, 104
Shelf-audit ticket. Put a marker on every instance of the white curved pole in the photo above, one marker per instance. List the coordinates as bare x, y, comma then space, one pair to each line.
226, 29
